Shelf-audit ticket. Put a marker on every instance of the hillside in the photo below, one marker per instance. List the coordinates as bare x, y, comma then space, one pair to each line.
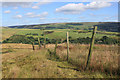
20, 61
104, 26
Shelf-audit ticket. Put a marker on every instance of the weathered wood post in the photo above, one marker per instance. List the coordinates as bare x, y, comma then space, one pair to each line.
39, 42
44, 39
61, 41
33, 46
55, 47
67, 46
91, 47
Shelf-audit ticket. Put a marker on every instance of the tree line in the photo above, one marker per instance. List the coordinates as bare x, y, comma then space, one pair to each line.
27, 40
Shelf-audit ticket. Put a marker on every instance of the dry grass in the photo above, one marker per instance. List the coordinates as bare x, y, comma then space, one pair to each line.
17, 46
33, 64
7, 32
104, 57
26, 63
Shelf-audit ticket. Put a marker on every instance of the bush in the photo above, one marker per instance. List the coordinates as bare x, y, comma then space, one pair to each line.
19, 39
87, 40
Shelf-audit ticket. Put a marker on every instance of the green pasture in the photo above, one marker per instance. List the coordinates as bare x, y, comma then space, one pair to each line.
61, 33
58, 33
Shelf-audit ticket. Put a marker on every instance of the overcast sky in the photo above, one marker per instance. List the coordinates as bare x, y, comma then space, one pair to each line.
25, 13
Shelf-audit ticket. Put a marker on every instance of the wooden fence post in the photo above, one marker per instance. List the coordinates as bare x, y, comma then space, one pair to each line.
33, 46
91, 46
67, 46
44, 39
44, 42
39, 42
55, 47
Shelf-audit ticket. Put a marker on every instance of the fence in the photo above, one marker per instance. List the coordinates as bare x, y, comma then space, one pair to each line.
67, 37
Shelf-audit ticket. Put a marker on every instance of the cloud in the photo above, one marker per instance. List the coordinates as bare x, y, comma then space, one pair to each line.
17, 4
43, 2
8, 11
29, 14
97, 5
18, 16
42, 18
110, 17
15, 8
61, 18
73, 8
97, 15
35, 7
81, 17
33, 15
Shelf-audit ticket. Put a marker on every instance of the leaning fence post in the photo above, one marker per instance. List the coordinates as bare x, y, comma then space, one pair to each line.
67, 46
91, 47
33, 45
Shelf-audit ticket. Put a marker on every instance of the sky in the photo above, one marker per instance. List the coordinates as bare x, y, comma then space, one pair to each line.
27, 13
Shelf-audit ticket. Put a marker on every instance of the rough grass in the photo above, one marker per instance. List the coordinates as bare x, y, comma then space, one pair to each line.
104, 57
7, 32
26, 63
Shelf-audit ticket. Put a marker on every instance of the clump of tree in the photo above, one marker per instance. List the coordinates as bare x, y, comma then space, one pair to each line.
48, 32
19, 39
35, 34
74, 24
27, 40
107, 40
108, 26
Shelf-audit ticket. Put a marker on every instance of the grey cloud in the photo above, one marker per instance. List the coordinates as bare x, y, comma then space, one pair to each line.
16, 4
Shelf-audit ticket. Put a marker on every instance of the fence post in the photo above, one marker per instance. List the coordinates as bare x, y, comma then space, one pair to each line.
33, 46
44, 39
62, 41
39, 42
55, 47
91, 47
67, 46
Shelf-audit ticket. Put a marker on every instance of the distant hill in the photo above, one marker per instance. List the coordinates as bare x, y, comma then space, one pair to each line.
103, 26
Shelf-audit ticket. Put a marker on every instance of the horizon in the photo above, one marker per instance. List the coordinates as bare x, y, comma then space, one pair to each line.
59, 23
30, 13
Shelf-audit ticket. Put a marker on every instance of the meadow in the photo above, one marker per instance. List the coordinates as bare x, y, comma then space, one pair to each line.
58, 33
18, 57
17, 60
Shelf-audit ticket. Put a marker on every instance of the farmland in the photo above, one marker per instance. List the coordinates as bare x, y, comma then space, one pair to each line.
18, 56
59, 33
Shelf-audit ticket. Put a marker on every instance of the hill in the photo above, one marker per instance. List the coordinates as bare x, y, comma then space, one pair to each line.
104, 26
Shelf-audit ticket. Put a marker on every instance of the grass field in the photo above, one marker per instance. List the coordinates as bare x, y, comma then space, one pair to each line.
58, 33
20, 61
17, 62
7, 32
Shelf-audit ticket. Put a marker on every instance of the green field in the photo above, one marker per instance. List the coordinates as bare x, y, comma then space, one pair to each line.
58, 33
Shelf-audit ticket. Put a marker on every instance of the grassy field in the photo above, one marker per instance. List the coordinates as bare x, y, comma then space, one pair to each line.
7, 32
58, 33
20, 61
17, 62
104, 58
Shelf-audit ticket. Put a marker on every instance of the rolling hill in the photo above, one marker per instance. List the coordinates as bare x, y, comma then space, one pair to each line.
103, 26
